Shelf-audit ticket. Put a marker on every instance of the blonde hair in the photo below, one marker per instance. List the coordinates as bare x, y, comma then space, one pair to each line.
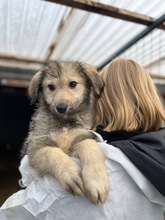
129, 100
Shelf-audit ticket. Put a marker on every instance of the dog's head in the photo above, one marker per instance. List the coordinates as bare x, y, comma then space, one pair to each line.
65, 87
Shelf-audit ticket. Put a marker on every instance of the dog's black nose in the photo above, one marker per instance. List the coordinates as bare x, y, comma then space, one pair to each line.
61, 108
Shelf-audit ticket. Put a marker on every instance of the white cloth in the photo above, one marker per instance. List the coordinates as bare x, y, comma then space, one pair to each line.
132, 196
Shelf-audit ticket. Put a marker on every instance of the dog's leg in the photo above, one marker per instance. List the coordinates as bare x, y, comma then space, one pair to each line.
94, 172
53, 161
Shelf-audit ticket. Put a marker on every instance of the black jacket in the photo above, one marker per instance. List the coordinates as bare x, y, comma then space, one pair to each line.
145, 150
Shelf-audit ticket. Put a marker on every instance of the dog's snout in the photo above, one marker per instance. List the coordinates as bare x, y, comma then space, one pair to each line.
61, 108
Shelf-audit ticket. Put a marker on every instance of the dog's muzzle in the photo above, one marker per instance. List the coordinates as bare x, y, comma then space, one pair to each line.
61, 108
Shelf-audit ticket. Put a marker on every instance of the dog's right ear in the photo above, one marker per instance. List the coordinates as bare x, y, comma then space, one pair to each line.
97, 82
33, 90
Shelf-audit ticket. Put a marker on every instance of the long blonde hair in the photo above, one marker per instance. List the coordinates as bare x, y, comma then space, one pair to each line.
129, 100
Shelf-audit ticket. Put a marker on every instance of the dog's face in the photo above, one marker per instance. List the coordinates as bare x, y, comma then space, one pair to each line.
65, 87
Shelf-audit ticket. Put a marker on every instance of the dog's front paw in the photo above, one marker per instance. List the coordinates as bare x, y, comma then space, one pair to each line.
70, 177
96, 183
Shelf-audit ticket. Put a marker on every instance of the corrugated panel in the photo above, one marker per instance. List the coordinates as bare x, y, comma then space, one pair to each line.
32, 28
28, 26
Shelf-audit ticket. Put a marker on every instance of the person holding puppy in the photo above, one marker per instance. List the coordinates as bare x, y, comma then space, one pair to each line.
130, 114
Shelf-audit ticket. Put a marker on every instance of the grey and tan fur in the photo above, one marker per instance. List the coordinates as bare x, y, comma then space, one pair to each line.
60, 127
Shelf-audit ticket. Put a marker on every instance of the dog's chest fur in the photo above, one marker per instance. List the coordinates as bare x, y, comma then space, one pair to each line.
63, 133
67, 139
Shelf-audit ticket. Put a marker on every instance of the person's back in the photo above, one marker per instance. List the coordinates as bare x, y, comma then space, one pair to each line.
130, 104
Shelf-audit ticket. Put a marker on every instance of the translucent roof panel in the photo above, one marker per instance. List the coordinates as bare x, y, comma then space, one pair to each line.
28, 26
35, 29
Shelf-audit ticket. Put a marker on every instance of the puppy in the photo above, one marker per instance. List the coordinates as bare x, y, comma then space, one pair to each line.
64, 92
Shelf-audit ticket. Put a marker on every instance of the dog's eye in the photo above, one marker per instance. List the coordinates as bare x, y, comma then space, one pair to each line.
51, 87
72, 84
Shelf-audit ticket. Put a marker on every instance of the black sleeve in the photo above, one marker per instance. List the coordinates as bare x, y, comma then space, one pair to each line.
147, 153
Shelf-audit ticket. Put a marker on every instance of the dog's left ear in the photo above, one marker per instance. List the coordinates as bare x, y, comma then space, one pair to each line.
97, 82
33, 90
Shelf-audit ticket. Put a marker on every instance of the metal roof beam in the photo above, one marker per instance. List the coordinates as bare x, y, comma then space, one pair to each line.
14, 83
108, 10
157, 61
22, 59
16, 73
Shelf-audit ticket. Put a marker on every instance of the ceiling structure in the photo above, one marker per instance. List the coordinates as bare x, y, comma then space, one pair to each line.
35, 32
